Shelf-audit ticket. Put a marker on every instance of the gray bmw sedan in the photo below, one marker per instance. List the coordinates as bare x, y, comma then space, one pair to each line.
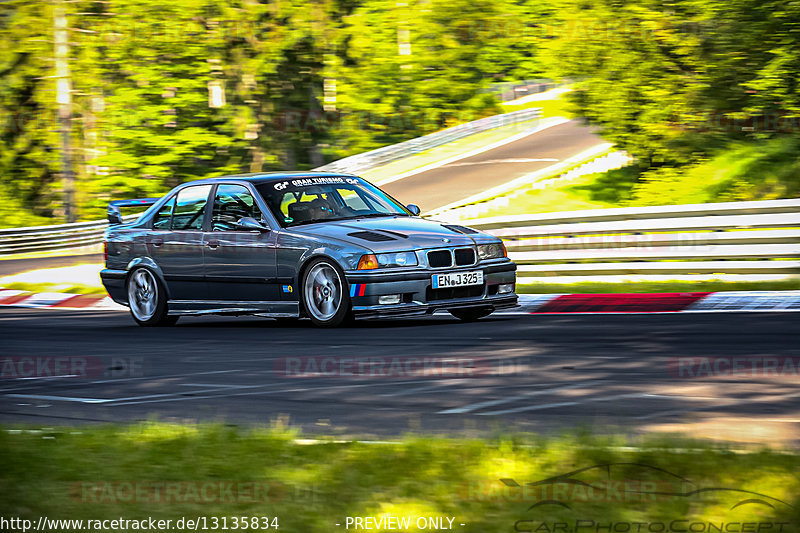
329, 247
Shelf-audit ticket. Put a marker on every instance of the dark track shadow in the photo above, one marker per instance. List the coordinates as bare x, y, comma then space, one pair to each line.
305, 324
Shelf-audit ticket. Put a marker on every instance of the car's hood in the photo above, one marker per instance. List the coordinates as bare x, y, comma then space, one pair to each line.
389, 233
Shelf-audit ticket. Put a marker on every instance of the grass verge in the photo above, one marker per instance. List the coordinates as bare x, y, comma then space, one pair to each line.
756, 170
167, 471
555, 107
592, 191
71, 288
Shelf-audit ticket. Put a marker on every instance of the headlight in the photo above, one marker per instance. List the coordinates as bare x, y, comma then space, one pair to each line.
491, 251
399, 259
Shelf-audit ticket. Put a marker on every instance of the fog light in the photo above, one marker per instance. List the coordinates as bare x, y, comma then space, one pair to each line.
389, 299
505, 288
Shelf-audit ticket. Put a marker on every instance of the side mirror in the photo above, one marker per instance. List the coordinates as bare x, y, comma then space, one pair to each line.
414, 209
250, 224
114, 216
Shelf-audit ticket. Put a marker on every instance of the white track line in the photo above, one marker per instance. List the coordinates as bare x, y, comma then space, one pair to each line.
720, 405
425, 388
492, 403
253, 393
564, 404
165, 376
58, 398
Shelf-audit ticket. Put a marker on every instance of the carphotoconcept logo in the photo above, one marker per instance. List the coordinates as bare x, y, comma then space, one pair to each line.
566, 502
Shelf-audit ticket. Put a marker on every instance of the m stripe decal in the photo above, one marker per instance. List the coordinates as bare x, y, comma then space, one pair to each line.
358, 289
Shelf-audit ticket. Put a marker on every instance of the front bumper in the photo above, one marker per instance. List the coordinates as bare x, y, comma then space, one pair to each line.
419, 298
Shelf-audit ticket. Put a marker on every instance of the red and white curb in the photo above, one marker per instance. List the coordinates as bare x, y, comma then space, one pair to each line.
529, 303
57, 300
671, 302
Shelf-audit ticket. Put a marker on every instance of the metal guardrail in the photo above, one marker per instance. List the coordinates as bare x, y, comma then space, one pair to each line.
696, 239
761, 238
361, 162
57, 237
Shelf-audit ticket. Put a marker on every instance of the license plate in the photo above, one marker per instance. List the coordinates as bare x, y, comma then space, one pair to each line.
457, 279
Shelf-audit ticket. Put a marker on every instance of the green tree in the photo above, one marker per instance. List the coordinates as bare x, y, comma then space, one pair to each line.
28, 134
675, 82
164, 93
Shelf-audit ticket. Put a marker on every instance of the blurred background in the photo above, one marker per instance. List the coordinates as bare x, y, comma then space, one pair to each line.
113, 99
582, 105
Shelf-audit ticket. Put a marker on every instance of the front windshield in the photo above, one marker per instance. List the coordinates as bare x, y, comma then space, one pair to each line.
296, 201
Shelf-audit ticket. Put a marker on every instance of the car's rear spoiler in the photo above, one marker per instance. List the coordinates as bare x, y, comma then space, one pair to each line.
114, 215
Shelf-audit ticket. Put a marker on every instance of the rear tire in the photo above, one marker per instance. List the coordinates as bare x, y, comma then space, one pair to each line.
471, 314
325, 297
147, 299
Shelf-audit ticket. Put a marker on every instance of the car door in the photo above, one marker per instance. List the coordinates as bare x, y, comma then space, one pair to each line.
176, 243
240, 265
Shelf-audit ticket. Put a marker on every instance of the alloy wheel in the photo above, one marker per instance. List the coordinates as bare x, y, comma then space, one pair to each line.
143, 294
322, 291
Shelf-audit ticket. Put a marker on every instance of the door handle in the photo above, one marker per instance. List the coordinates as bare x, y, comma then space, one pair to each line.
212, 244
157, 242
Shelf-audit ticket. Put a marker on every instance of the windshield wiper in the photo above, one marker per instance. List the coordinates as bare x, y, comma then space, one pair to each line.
371, 215
354, 217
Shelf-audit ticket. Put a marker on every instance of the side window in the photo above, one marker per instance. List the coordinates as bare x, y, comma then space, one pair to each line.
162, 218
352, 200
232, 203
189, 207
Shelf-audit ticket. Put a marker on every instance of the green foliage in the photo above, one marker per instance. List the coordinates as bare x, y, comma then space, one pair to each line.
408, 69
28, 162
675, 85
302, 83
71, 288
307, 82
764, 169
755, 170
90, 473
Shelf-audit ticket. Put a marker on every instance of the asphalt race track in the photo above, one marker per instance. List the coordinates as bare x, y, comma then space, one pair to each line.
472, 175
509, 372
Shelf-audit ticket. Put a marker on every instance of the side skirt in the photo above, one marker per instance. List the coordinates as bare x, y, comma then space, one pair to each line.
228, 307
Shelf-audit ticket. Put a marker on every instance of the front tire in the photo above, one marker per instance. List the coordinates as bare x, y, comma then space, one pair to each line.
148, 300
471, 314
325, 296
